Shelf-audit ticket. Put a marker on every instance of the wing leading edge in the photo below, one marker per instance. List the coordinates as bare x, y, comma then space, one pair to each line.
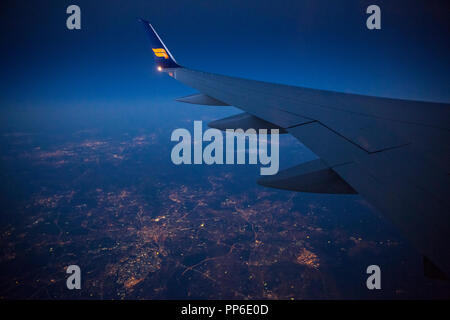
394, 153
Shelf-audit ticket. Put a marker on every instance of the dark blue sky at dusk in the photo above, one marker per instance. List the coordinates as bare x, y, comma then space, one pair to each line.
318, 44
63, 88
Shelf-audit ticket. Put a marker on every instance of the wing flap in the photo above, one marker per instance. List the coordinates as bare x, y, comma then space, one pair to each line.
201, 99
243, 121
313, 176
332, 148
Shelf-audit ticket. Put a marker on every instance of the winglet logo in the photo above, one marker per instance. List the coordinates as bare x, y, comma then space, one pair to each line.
160, 52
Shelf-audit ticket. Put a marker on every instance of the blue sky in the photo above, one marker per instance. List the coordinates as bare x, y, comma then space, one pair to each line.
319, 44
102, 77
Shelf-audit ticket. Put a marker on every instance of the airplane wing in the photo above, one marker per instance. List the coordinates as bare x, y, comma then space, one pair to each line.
394, 153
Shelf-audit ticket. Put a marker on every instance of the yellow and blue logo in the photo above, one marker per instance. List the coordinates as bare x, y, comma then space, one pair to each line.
160, 52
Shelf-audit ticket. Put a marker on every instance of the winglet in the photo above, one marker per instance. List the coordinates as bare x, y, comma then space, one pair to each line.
162, 55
